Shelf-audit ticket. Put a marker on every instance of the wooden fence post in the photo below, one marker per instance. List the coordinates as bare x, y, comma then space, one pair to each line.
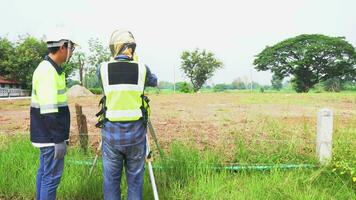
324, 136
82, 127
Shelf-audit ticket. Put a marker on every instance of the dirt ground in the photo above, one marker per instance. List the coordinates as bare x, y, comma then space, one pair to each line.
208, 119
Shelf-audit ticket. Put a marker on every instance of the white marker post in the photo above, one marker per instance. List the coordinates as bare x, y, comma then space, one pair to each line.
324, 136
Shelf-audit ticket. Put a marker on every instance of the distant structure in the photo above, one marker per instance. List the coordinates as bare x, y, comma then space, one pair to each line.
12, 88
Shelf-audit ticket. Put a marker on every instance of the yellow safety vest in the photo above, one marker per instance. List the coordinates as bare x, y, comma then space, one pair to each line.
48, 89
123, 83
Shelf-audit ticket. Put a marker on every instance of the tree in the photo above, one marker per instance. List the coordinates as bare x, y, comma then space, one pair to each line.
19, 60
165, 85
29, 52
222, 87
91, 80
7, 50
184, 87
199, 66
98, 54
238, 84
332, 85
276, 82
79, 59
310, 59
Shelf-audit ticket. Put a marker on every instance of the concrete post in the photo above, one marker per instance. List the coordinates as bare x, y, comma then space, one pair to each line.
324, 136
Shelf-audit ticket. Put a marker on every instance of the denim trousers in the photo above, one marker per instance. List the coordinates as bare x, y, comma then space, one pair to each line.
48, 175
115, 157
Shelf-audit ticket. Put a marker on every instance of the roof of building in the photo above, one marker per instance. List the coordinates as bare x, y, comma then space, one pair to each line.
3, 80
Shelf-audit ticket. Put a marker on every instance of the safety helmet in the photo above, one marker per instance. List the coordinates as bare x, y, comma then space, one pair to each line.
120, 40
57, 37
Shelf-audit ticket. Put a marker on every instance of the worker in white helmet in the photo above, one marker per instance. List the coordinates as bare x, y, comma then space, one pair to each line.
123, 118
50, 117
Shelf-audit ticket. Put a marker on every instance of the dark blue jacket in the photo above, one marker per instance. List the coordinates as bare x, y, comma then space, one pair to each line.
50, 127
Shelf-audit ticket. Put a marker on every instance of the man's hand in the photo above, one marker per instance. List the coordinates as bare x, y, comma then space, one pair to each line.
60, 150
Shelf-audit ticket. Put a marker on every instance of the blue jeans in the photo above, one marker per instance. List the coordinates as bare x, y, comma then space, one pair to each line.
115, 157
48, 175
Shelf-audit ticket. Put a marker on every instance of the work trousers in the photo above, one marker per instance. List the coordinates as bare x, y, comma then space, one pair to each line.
48, 175
115, 157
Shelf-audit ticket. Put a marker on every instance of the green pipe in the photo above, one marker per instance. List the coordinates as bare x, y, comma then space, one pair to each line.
229, 168
267, 167
80, 162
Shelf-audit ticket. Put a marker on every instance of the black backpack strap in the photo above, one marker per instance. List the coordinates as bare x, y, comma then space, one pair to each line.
145, 108
102, 113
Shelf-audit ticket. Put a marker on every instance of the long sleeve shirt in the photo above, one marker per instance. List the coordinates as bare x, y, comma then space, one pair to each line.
48, 128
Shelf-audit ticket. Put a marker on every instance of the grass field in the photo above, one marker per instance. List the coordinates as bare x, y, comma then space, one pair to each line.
200, 133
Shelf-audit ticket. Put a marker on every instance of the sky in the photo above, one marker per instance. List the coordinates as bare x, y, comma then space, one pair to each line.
234, 30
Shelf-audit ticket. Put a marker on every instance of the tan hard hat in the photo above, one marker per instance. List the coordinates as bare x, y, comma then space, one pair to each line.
119, 39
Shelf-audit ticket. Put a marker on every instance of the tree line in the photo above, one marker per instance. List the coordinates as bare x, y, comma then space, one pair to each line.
19, 59
307, 60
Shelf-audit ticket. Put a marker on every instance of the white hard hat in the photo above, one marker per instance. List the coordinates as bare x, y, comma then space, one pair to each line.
119, 39
57, 37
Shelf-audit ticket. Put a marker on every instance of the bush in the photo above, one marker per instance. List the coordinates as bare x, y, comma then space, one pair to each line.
318, 88
71, 82
332, 85
153, 90
350, 85
184, 87
96, 90
221, 87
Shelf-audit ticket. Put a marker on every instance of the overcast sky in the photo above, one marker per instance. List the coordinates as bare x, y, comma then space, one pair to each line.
235, 30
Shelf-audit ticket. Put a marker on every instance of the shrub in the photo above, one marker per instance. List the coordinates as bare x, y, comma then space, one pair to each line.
96, 90
332, 85
185, 88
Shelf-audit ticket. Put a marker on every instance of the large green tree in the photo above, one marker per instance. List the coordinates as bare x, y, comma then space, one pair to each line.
310, 59
199, 66
20, 59
7, 51
29, 52
98, 54
276, 82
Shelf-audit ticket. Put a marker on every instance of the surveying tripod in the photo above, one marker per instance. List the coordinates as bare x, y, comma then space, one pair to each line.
148, 157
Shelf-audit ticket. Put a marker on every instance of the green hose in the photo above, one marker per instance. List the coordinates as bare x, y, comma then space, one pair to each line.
229, 168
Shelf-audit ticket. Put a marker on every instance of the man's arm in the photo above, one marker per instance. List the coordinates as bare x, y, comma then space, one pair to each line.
151, 79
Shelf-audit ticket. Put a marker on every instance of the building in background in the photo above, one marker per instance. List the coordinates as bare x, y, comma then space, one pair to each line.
11, 88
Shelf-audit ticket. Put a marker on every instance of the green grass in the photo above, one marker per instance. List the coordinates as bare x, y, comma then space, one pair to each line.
186, 173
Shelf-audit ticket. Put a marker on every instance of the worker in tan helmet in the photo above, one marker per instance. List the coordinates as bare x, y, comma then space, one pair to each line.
123, 117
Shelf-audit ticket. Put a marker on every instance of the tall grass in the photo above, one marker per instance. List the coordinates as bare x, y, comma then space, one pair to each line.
186, 173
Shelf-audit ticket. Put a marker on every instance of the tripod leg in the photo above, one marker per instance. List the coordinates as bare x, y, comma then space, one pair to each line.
153, 134
150, 170
95, 159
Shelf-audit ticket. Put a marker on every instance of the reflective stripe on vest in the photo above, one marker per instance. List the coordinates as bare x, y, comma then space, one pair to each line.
123, 95
58, 92
123, 113
49, 106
